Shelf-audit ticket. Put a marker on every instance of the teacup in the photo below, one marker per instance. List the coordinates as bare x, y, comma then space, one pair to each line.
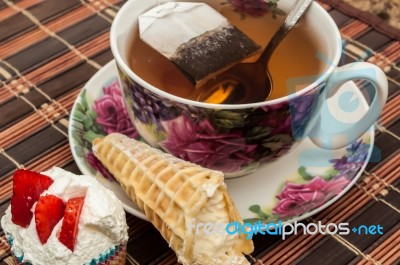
239, 138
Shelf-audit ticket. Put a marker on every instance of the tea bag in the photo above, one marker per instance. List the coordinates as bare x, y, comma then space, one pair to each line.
198, 39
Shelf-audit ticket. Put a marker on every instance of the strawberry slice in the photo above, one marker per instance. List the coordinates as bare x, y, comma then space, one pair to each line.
48, 212
69, 228
27, 187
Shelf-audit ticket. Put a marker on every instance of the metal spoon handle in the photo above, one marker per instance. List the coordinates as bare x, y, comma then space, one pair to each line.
297, 11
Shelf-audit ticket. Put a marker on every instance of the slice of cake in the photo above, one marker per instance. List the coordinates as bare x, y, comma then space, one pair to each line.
58, 218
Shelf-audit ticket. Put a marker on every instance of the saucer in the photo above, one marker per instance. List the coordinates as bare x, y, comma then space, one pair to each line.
298, 185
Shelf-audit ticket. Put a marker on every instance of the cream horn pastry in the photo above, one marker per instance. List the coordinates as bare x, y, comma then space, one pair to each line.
176, 195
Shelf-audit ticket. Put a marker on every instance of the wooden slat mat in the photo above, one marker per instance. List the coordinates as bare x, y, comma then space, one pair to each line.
49, 49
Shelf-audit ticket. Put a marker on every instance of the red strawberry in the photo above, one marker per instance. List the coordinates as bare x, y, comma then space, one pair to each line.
48, 212
69, 228
27, 187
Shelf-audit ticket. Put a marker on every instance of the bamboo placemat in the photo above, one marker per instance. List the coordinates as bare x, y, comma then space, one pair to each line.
49, 49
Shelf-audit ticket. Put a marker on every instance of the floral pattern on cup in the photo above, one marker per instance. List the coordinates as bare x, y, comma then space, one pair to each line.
233, 141
200, 143
313, 191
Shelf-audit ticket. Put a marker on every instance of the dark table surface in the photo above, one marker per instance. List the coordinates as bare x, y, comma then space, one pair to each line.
49, 49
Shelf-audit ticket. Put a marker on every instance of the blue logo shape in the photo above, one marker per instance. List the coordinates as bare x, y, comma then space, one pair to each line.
348, 102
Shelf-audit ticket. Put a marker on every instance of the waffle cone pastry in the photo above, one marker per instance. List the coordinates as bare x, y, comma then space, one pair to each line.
176, 196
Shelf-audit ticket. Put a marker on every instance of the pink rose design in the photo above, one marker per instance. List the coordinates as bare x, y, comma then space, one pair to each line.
111, 112
279, 124
96, 164
200, 143
251, 7
296, 199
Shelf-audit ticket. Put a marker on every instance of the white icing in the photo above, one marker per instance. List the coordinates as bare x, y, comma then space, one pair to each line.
102, 224
215, 213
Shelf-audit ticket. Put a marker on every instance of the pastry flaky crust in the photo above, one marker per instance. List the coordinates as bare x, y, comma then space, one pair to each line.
171, 192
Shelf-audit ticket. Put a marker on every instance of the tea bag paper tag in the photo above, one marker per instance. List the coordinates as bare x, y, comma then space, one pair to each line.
198, 39
167, 26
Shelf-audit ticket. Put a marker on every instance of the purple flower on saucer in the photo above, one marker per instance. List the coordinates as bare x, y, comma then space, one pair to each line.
96, 164
348, 165
296, 199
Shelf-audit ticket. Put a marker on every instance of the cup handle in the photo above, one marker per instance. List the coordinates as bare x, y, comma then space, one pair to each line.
344, 135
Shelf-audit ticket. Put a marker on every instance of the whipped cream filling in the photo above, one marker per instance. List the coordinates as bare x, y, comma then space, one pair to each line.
102, 224
215, 213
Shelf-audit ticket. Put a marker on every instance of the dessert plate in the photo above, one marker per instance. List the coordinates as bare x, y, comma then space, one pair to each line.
296, 186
